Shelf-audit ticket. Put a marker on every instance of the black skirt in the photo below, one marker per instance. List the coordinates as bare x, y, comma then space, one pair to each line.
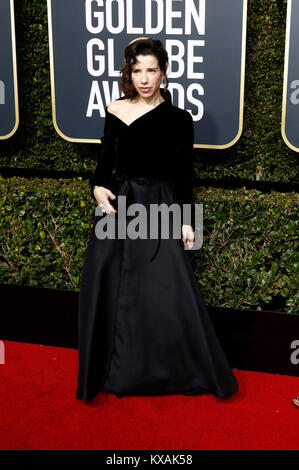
143, 326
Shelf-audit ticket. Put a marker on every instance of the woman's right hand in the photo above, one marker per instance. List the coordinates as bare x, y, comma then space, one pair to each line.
102, 196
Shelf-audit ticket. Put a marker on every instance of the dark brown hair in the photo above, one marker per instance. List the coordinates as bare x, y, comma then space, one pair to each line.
142, 46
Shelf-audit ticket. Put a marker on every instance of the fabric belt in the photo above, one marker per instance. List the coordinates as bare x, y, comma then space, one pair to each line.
150, 181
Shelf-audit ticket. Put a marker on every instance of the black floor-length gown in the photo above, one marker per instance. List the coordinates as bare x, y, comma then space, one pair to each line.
143, 326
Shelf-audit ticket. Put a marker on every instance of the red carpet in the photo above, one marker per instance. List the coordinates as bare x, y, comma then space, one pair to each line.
39, 410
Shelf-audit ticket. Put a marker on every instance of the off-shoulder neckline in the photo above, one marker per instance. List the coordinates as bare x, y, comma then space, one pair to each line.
140, 117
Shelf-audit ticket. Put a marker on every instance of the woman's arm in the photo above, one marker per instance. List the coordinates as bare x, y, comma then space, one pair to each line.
106, 158
184, 164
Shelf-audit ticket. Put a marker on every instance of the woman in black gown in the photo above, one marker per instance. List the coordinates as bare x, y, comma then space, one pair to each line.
143, 326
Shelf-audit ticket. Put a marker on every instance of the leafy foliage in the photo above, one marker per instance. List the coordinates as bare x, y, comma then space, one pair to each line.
44, 225
248, 256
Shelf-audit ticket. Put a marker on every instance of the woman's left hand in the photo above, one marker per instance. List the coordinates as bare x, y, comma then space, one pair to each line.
188, 235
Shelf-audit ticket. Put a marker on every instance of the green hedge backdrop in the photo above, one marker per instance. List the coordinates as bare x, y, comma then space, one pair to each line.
249, 255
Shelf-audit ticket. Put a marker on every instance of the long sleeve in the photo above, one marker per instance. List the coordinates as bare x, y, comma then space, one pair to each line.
106, 158
184, 165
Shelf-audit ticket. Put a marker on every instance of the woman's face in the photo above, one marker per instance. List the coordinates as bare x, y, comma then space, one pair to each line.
146, 75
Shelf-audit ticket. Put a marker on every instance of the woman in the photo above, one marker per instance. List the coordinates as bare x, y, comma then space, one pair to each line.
143, 326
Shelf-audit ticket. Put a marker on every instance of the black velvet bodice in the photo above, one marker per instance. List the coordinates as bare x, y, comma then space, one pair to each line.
158, 144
